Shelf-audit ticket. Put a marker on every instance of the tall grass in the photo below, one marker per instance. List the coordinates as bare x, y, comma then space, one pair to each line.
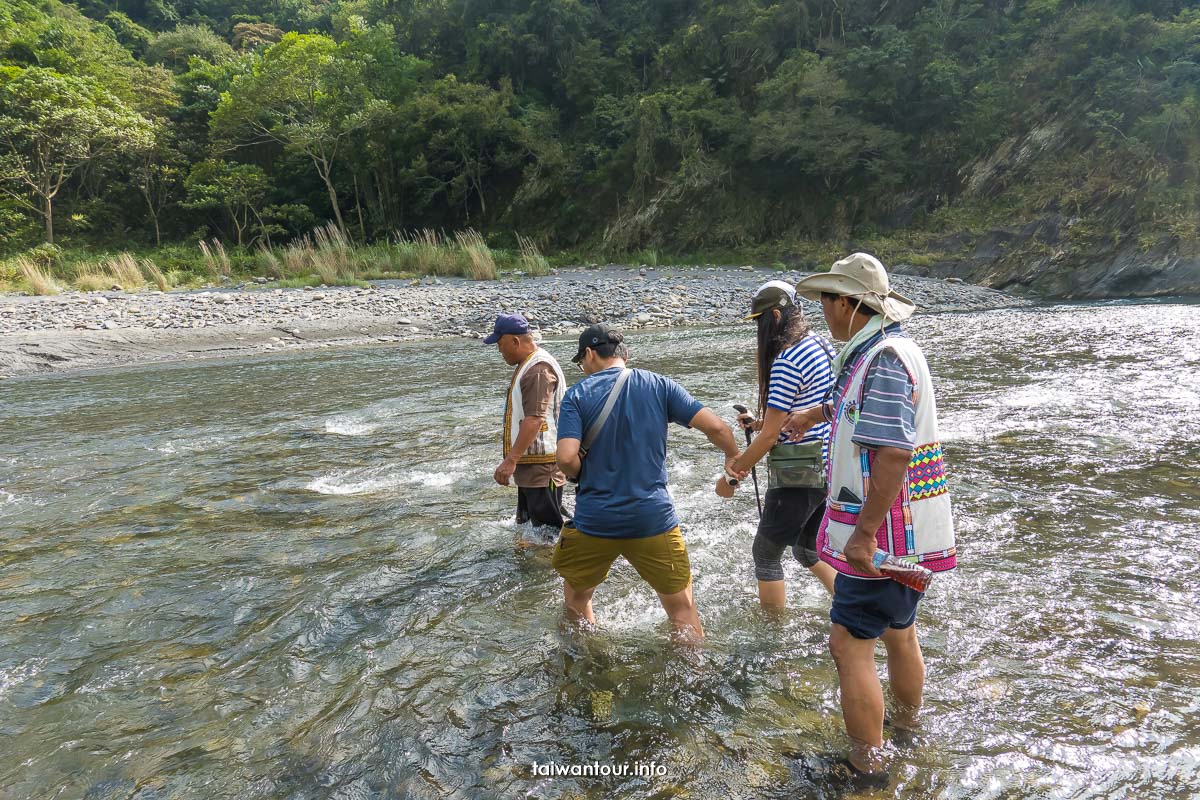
269, 263
38, 280
215, 257
155, 275
326, 256
124, 268
122, 271
479, 255
333, 258
531, 258
426, 252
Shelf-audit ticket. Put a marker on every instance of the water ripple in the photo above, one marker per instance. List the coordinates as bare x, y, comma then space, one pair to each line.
294, 576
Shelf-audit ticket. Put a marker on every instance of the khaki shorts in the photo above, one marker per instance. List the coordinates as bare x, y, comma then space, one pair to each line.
661, 560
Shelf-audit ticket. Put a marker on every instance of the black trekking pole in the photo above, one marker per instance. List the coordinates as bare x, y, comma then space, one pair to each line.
754, 469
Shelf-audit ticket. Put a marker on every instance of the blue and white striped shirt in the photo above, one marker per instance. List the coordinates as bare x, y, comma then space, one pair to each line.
800, 377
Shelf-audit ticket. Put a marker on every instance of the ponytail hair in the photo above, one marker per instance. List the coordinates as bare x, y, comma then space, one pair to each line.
774, 336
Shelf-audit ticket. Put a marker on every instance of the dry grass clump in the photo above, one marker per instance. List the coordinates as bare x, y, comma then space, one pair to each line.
155, 275
269, 262
215, 257
327, 255
332, 256
87, 279
426, 252
125, 271
122, 272
479, 255
532, 260
39, 281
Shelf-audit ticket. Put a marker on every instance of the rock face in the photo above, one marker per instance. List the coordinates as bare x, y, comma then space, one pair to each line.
1036, 258
1044, 256
91, 330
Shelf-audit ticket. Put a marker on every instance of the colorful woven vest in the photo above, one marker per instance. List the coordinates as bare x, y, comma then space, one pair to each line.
919, 527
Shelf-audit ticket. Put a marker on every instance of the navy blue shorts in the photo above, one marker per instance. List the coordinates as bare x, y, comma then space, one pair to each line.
868, 608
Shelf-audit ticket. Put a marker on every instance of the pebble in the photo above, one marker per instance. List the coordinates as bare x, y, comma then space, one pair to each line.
558, 304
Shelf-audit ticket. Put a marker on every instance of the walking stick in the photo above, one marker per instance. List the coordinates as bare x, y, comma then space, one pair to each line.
754, 469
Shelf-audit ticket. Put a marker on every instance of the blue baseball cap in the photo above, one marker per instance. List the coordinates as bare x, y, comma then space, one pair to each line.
508, 323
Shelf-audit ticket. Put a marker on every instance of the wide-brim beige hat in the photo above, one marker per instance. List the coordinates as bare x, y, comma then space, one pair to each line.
861, 277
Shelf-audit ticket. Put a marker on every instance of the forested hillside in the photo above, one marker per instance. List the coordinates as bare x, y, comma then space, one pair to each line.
782, 129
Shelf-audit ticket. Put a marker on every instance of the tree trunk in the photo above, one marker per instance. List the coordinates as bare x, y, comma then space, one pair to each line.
49, 216
323, 170
362, 228
333, 201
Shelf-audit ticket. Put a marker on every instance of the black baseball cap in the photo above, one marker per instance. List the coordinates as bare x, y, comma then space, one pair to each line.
596, 336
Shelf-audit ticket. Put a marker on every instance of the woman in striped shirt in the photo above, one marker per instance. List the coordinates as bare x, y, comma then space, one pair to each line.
793, 373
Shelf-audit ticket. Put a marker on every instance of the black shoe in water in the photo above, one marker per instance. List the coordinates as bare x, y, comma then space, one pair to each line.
858, 780
835, 773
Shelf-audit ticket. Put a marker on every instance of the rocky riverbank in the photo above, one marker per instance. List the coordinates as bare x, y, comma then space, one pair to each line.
83, 330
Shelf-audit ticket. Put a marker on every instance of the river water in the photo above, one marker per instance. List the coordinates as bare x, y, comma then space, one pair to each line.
292, 576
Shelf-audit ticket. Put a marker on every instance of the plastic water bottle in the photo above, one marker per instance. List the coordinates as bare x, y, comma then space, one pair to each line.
914, 576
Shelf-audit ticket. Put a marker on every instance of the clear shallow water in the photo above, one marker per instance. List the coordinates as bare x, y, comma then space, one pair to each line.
294, 577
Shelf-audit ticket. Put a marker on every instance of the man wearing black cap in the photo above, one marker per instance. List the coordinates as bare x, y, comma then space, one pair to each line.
530, 423
622, 507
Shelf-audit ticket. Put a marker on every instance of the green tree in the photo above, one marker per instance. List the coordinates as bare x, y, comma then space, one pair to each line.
158, 171
51, 125
804, 123
308, 94
175, 49
133, 37
458, 134
237, 190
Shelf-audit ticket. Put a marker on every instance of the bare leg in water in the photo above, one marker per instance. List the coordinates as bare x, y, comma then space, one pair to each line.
681, 610
862, 697
579, 604
773, 594
906, 674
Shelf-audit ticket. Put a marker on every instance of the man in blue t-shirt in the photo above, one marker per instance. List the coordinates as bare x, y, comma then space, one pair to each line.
622, 506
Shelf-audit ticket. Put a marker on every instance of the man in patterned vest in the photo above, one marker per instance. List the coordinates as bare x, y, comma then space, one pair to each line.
886, 490
530, 424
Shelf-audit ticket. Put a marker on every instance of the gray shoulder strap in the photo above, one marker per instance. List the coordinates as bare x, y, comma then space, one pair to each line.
592, 432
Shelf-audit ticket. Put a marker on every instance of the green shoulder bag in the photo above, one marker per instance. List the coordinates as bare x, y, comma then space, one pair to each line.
796, 466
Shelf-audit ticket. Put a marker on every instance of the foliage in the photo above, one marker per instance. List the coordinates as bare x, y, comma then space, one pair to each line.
176, 49
627, 127
51, 125
238, 190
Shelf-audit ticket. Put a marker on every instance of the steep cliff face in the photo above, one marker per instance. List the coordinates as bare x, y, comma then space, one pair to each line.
1037, 257
1098, 248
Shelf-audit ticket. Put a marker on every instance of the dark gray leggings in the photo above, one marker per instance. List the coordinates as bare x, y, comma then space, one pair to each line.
792, 515
768, 558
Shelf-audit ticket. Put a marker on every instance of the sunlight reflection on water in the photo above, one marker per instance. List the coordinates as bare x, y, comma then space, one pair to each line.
294, 576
